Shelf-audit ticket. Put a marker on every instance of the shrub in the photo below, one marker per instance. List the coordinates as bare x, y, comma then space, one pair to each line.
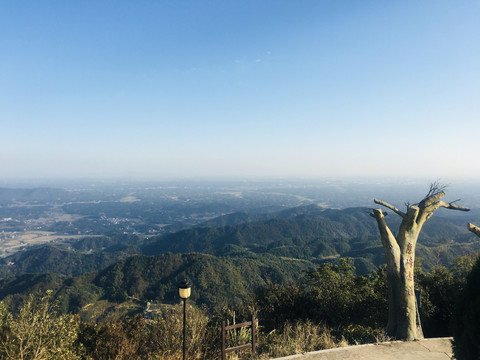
158, 338
467, 326
38, 332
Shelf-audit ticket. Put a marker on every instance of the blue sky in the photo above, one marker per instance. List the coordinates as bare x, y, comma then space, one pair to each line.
239, 89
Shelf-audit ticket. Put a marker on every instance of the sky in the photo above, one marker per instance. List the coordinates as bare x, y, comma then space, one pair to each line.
239, 89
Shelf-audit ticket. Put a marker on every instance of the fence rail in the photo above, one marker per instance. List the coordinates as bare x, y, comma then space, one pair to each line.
251, 346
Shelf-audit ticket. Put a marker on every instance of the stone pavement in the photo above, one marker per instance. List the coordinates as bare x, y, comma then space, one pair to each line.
427, 349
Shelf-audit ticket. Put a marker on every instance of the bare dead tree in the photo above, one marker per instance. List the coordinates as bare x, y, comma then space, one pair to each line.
403, 318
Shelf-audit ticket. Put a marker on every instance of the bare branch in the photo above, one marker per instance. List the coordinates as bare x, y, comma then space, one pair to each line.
452, 206
474, 229
435, 193
391, 207
435, 188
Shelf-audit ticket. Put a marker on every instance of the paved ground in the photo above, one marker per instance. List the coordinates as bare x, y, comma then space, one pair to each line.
428, 349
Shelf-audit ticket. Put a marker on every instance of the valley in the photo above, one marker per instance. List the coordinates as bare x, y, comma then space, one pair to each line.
88, 239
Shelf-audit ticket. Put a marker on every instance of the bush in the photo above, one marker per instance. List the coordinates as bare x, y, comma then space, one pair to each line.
160, 337
467, 326
38, 332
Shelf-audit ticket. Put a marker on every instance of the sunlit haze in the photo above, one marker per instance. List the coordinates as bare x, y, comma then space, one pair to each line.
239, 89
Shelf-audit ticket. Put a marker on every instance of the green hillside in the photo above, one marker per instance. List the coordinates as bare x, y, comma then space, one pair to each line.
309, 233
218, 281
99, 277
316, 234
54, 259
320, 234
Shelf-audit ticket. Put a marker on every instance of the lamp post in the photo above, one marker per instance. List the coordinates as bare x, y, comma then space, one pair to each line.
184, 290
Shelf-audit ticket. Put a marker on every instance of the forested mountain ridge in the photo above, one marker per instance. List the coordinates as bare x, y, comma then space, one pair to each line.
59, 260
296, 228
72, 258
314, 233
218, 281
225, 263
308, 232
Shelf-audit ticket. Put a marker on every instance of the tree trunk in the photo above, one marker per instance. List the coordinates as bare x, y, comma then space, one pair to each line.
407, 320
403, 316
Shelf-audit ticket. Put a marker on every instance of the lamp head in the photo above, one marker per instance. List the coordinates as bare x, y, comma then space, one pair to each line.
185, 289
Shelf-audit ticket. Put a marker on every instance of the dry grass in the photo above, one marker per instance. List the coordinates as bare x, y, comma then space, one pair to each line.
167, 327
297, 338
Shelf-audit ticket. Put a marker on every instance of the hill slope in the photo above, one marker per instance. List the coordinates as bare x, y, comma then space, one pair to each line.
317, 234
217, 282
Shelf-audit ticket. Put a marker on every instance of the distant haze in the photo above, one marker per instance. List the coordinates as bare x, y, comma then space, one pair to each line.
243, 89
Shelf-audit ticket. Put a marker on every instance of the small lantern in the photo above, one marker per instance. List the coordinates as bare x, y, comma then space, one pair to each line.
184, 289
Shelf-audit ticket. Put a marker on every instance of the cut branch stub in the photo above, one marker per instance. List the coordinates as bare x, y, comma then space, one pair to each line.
412, 213
431, 200
474, 229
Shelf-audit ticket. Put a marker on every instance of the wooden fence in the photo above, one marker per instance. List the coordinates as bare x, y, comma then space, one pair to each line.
251, 346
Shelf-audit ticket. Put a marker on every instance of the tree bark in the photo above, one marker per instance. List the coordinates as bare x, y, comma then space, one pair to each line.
403, 317
474, 229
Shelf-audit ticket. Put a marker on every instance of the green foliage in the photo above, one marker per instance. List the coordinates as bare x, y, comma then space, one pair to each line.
355, 307
217, 282
339, 298
71, 294
215, 279
37, 332
329, 291
442, 252
332, 295
59, 260
463, 265
440, 289
328, 307
279, 304
316, 234
308, 233
467, 326
16, 290
313, 234
439, 292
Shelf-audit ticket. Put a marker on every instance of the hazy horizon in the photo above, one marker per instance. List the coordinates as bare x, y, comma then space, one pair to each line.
422, 182
240, 90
